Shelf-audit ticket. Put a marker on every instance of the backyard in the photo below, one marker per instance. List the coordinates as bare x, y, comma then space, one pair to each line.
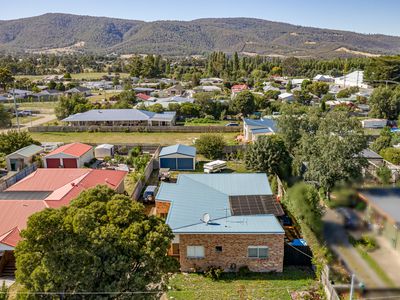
163, 138
273, 286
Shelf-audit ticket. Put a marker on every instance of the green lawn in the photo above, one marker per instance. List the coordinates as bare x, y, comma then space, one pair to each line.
101, 95
163, 138
231, 286
25, 120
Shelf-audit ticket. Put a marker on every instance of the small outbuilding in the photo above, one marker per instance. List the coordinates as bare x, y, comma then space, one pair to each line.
178, 157
22, 158
104, 150
73, 155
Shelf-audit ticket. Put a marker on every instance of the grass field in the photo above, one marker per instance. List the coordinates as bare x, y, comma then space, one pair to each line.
101, 95
163, 138
79, 76
25, 120
277, 286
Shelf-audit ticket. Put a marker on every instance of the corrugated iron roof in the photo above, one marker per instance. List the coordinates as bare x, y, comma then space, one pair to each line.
74, 149
180, 149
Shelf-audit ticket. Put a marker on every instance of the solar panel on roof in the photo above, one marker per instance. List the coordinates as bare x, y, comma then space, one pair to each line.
255, 205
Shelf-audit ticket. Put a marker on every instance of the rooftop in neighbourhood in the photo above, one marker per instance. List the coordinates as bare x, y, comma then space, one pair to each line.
193, 195
27, 151
120, 115
261, 125
47, 188
178, 148
385, 200
74, 149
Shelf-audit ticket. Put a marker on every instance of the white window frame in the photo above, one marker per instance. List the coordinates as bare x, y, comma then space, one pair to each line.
258, 252
198, 251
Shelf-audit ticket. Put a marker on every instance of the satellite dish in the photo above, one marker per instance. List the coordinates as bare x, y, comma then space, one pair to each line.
206, 218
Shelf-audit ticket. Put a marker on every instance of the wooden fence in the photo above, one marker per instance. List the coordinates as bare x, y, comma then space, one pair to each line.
140, 184
193, 129
17, 177
330, 291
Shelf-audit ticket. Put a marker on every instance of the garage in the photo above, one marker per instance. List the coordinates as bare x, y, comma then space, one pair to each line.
178, 157
185, 163
53, 163
169, 163
70, 163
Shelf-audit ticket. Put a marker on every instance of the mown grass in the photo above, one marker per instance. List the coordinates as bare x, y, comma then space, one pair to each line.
274, 286
163, 138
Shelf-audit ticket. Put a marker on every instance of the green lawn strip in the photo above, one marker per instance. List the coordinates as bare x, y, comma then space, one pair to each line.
163, 138
232, 286
25, 120
375, 266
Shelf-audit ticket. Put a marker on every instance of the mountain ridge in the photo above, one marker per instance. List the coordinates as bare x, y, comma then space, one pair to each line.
56, 31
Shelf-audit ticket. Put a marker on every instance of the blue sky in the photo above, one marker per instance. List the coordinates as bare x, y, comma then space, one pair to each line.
365, 16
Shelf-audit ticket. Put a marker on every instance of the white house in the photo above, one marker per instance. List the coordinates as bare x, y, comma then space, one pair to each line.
288, 97
324, 78
355, 78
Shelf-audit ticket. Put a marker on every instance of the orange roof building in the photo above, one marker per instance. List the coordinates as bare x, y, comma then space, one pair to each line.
47, 188
73, 155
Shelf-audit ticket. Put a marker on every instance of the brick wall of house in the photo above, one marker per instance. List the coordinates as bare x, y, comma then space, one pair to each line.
162, 208
234, 250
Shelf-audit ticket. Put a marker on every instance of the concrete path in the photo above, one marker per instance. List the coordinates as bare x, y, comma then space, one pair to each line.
44, 119
7, 280
337, 239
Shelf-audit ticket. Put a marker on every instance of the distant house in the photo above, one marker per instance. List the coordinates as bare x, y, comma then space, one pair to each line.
269, 87
104, 150
238, 88
373, 123
297, 82
49, 78
324, 78
212, 81
165, 102
287, 97
22, 158
78, 90
175, 90
19, 94
178, 157
73, 155
226, 220
144, 97
143, 90
121, 117
383, 213
252, 129
355, 78
3, 98
207, 89
46, 95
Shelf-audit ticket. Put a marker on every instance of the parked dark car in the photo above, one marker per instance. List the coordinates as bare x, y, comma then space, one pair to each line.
350, 219
232, 124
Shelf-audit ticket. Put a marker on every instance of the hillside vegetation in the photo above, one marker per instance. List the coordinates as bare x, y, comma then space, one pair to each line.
72, 33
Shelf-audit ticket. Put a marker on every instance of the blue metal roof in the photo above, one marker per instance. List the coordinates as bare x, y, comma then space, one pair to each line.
263, 123
236, 224
196, 194
178, 148
119, 115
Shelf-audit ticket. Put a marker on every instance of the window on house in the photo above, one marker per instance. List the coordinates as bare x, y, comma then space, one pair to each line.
218, 249
195, 252
257, 252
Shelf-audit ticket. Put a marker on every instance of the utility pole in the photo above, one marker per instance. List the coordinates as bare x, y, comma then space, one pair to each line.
352, 287
15, 106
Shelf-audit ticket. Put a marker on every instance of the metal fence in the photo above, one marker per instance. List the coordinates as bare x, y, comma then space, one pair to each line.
193, 129
17, 177
330, 291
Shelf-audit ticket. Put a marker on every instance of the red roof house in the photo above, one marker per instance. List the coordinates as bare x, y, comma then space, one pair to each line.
47, 188
237, 88
73, 155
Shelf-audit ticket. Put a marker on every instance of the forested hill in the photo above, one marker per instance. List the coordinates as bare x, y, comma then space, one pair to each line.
63, 33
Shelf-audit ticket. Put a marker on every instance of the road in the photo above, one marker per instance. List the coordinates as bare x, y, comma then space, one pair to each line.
337, 239
44, 119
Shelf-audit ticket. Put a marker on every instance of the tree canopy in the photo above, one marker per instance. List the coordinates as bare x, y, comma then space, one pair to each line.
69, 105
269, 154
102, 242
13, 140
5, 117
211, 145
385, 103
243, 103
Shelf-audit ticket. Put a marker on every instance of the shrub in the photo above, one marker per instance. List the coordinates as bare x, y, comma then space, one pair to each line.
211, 145
368, 242
243, 270
214, 273
384, 174
392, 155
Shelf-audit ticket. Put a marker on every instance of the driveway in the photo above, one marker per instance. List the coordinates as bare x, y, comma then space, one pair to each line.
337, 239
44, 119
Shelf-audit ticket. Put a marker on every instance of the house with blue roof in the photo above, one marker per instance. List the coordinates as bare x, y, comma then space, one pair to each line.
226, 220
252, 129
178, 157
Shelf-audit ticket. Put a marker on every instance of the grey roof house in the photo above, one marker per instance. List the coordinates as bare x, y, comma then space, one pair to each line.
252, 129
22, 158
121, 117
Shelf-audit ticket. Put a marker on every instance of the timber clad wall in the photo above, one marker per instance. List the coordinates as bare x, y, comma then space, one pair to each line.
234, 250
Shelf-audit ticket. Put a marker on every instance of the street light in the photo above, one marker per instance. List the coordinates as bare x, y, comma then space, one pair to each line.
15, 106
